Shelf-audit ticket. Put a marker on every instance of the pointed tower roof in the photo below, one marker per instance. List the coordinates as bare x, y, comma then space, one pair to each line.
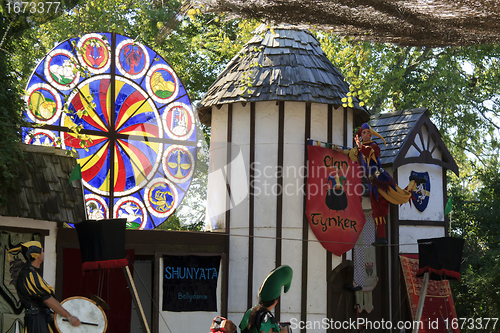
279, 64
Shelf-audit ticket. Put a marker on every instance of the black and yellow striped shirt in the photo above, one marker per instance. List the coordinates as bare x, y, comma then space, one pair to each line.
32, 288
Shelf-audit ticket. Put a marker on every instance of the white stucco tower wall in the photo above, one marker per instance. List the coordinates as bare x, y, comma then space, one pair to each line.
256, 185
231, 166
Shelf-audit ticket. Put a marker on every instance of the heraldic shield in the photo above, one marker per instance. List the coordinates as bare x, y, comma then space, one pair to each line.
421, 194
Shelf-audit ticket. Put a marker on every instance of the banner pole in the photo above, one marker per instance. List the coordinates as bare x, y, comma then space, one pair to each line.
312, 142
137, 301
421, 301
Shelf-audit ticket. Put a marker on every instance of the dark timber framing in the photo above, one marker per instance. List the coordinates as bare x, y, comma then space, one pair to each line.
279, 198
328, 253
426, 157
225, 268
329, 256
43, 232
445, 201
251, 208
394, 286
426, 223
401, 139
305, 226
344, 143
112, 133
229, 139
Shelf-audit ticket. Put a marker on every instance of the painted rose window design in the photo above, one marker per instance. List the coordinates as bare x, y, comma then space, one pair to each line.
141, 155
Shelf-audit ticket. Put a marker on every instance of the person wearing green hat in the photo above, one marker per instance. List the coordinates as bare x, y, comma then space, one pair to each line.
259, 318
36, 295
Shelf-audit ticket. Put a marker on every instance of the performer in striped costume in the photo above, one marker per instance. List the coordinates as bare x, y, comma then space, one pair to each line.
36, 295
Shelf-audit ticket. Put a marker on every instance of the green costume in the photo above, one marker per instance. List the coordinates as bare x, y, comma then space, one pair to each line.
269, 291
268, 322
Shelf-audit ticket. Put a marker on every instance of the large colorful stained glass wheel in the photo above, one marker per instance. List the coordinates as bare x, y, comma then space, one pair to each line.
138, 118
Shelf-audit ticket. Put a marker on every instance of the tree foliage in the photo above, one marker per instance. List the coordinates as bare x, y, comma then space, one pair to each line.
459, 85
475, 218
197, 46
13, 25
9, 123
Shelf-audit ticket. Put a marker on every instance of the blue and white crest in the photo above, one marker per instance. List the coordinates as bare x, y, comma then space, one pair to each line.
422, 192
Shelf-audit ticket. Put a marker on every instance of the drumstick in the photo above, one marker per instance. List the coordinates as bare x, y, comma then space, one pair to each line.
84, 323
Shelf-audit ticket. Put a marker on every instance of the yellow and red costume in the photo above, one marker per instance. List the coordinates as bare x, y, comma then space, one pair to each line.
382, 188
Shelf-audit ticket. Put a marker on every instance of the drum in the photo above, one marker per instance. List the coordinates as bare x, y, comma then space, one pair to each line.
92, 316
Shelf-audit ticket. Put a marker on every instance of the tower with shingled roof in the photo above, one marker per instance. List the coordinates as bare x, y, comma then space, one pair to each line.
279, 91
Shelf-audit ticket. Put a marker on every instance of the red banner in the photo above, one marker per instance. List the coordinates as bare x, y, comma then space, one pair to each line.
438, 314
334, 192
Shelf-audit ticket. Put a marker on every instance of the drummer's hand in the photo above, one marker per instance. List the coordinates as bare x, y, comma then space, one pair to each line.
74, 321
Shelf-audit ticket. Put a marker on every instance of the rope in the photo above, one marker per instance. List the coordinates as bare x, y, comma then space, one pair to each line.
150, 297
317, 241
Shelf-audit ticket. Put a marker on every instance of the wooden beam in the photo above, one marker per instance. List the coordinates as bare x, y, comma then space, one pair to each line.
305, 227
135, 298
421, 301
251, 207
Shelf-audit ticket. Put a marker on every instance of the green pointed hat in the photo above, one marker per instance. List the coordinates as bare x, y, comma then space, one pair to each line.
271, 287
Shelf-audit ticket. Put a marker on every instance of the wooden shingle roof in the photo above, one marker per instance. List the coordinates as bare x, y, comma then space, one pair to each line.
282, 64
43, 192
400, 130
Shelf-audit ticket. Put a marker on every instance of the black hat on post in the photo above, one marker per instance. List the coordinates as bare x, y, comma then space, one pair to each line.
440, 257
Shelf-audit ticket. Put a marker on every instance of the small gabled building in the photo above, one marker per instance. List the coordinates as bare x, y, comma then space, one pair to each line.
414, 145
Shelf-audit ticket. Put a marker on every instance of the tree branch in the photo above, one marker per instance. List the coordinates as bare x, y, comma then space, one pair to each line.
424, 56
478, 107
470, 151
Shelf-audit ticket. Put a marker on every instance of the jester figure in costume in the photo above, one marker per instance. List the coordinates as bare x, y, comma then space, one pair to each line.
382, 188
36, 295
259, 318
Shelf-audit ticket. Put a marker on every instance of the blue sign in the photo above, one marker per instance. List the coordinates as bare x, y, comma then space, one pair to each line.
190, 283
421, 194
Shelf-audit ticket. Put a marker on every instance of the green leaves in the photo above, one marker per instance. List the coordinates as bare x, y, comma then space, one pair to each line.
475, 218
460, 87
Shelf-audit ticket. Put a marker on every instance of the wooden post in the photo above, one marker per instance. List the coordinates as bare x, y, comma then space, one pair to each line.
135, 298
421, 301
